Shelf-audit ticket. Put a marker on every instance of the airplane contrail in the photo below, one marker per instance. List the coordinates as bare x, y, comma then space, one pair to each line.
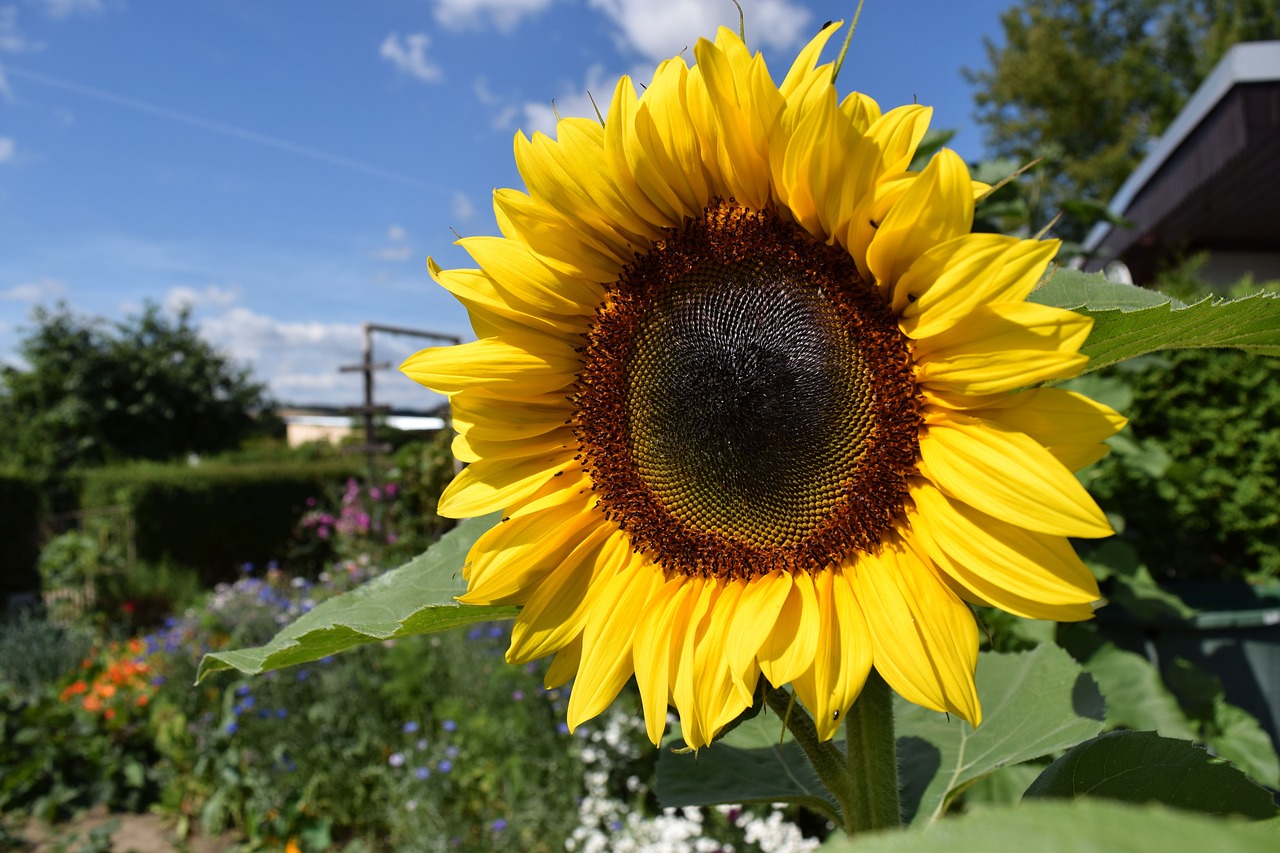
232, 131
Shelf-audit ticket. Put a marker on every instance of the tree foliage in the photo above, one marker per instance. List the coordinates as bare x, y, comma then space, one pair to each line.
1088, 84
92, 392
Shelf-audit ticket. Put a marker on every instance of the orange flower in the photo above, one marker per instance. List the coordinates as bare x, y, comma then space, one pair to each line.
75, 688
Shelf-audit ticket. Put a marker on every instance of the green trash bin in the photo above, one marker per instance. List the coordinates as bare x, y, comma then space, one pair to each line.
1234, 635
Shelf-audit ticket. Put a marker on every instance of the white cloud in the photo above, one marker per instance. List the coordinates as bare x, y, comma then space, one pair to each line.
41, 290
476, 14
660, 29
299, 360
409, 56
67, 8
461, 207
11, 39
542, 116
399, 250
398, 253
212, 296
7, 146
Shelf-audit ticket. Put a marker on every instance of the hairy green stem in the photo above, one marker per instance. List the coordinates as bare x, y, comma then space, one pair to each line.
873, 759
864, 781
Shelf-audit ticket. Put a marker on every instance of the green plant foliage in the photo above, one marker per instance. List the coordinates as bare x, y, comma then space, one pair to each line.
758, 762
1201, 457
1131, 321
21, 507
184, 513
95, 393
1087, 84
1142, 767
1033, 703
417, 598
1084, 826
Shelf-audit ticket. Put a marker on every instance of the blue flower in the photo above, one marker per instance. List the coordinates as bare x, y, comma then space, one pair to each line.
499, 825
410, 727
449, 726
422, 773
232, 727
445, 766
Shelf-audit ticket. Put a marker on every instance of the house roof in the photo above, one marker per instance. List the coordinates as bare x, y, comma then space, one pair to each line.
1213, 179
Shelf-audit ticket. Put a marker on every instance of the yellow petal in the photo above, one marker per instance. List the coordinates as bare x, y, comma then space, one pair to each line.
507, 562
1070, 425
472, 449
791, 644
924, 638
564, 665
485, 301
557, 242
517, 272
497, 364
1029, 574
488, 418
1003, 347
491, 485
938, 206
753, 620
843, 660
686, 635
558, 608
1008, 475
607, 638
652, 653
950, 280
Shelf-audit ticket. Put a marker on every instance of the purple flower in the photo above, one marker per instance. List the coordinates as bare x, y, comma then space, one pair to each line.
449, 726
422, 773
409, 727
375, 493
422, 744
396, 759
499, 825
232, 727
518, 695
445, 766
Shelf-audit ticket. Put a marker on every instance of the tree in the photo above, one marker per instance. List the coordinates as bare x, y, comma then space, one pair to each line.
1089, 84
145, 388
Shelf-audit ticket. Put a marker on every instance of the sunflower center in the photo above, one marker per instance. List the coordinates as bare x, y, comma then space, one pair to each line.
746, 401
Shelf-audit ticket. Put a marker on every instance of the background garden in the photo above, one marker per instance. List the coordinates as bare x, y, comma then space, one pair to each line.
152, 513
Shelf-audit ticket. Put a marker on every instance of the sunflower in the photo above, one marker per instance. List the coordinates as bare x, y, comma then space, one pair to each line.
754, 402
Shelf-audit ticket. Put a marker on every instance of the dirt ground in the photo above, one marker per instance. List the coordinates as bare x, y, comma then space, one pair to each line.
134, 833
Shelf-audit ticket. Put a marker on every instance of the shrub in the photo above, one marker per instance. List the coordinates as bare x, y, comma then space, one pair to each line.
20, 511
1197, 477
212, 518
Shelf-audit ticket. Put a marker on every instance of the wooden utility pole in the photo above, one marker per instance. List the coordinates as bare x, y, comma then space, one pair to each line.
371, 448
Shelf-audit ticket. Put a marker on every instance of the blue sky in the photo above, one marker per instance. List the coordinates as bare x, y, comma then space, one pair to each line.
285, 167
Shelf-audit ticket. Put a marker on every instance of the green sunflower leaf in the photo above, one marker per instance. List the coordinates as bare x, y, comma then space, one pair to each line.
1142, 767
417, 598
1033, 703
1130, 321
758, 762
1081, 827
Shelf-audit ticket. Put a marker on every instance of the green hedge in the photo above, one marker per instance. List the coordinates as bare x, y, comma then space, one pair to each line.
20, 510
1200, 489
214, 517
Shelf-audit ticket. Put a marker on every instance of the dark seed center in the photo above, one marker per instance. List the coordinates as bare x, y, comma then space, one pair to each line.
746, 401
